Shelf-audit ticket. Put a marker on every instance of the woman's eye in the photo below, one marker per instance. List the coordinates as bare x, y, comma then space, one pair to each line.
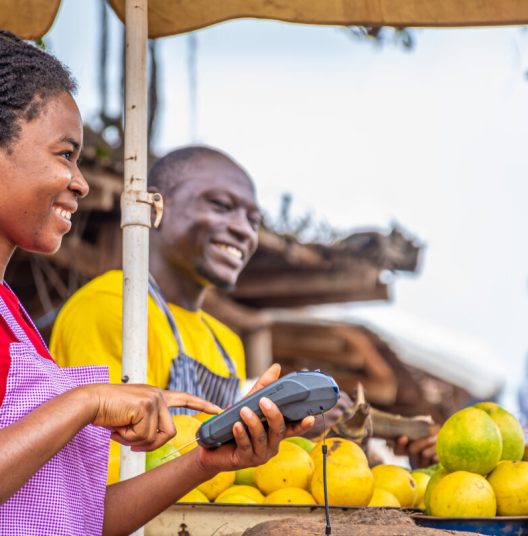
67, 154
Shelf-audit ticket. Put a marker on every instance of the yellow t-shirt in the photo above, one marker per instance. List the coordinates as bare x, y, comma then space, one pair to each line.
88, 331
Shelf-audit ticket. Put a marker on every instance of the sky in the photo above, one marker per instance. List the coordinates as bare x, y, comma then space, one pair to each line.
362, 136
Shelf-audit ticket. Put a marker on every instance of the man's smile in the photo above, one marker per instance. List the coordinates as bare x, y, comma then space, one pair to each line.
231, 250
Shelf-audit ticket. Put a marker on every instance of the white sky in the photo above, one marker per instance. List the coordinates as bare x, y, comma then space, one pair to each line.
434, 139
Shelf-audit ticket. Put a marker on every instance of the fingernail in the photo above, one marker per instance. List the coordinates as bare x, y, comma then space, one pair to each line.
266, 402
246, 412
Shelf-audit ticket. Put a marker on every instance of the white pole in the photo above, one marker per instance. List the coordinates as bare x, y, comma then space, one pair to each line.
135, 216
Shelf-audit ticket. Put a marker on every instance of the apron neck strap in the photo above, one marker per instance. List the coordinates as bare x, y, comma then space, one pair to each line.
12, 324
156, 293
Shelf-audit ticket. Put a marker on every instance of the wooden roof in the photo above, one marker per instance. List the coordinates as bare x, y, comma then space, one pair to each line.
286, 273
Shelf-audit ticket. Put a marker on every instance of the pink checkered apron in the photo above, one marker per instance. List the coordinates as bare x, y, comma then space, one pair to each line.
66, 496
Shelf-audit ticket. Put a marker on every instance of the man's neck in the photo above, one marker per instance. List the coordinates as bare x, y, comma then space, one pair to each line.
177, 287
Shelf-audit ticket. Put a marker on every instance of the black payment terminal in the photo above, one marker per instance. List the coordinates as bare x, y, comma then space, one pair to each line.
298, 395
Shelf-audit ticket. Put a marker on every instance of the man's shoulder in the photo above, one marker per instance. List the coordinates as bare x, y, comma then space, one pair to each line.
110, 282
99, 293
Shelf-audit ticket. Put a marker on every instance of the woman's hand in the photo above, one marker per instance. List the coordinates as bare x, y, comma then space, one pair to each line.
256, 445
138, 415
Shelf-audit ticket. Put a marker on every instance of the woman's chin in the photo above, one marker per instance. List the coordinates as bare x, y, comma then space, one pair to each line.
48, 247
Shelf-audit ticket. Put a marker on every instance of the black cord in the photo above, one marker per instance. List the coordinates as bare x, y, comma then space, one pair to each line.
328, 529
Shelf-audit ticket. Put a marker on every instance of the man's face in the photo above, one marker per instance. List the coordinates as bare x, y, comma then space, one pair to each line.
209, 230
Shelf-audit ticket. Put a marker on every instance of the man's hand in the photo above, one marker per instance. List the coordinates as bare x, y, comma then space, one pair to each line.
421, 452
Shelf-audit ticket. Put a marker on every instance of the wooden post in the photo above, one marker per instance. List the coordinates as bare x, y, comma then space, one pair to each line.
259, 351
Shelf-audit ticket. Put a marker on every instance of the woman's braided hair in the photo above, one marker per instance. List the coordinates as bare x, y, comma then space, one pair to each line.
28, 78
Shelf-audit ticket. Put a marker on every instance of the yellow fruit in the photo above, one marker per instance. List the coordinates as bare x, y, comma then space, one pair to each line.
433, 481
463, 494
421, 479
397, 481
246, 477
339, 448
238, 498
509, 481
469, 441
202, 417
186, 429
510, 429
302, 442
382, 497
160, 456
291, 467
349, 480
195, 496
251, 492
213, 487
290, 496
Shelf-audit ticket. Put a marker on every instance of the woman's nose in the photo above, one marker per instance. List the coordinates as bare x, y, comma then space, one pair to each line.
79, 185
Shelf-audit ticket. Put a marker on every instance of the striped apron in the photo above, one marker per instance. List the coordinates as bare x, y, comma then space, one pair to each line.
191, 376
66, 496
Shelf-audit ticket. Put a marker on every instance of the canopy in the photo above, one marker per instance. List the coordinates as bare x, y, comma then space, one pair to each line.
168, 17
32, 18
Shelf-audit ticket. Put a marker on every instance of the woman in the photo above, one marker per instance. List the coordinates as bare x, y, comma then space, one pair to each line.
55, 423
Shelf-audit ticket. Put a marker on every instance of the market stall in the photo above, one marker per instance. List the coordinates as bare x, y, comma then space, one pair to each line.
33, 18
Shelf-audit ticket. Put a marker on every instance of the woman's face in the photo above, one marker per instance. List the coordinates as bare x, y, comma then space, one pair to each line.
40, 182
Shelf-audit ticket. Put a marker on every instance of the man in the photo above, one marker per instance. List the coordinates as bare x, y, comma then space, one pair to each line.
208, 234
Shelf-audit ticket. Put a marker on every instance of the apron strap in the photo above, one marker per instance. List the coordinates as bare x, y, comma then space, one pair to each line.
155, 292
225, 355
13, 325
29, 320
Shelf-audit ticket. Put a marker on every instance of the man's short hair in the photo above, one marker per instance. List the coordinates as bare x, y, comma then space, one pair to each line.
169, 171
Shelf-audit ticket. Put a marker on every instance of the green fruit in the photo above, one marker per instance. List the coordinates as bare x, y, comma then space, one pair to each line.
160, 456
469, 441
246, 477
302, 442
433, 468
428, 470
510, 429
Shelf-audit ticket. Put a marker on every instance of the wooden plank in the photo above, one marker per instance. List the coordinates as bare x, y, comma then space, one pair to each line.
380, 292
308, 283
376, 375
229, 520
